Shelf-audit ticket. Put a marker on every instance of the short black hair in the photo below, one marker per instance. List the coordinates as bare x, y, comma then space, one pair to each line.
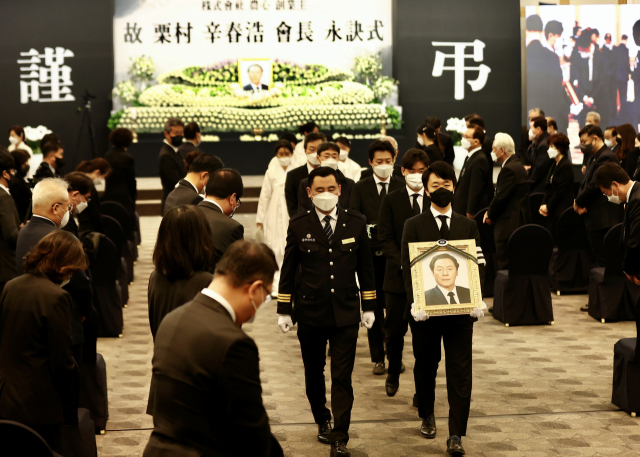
313, 137
322, 172
224, 183
478, 133
282, 144
442, 170
247, 261
121, 138
609, 172
309, 127
190, 130
554, 27
432, 264
49, 137
50, 147
476, 120
288, 136
80, 182
592, 130
539, 122
534, 23
434, 121
206, 162
6, 161
20, 156
636, 32
552, 123
381, 146
343, 140
412, 156
328, 145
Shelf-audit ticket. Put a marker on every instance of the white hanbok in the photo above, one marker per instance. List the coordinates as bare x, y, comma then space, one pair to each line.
273, 214
299, 157
350, 169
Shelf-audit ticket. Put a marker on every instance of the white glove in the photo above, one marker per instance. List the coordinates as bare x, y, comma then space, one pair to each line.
285, 323
368, 318
575, 109
418, 316
479, 312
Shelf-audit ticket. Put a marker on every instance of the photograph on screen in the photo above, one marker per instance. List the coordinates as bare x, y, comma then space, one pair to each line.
254, 74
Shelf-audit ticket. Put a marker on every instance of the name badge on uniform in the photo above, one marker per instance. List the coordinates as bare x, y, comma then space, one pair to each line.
349, 240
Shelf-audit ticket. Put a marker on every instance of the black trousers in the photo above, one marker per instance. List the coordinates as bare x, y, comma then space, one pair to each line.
313, 345
395, 328
457, 334
596, 240
501, 251
375, 333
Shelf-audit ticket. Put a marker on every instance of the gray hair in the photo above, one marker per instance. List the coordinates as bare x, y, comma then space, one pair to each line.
541, 113
595, 115
503, 140
391, 140
50, 191
172, 122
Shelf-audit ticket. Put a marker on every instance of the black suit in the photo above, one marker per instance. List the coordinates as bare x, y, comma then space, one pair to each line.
185, 148
207, 394
397, 173
456, 331
121, 185
171, 168
9, 227
601, 215
475, 185
291, 186
366, 199
631, 246
38, 375
540, 162
558, 191
321, 277
395, 209
449, 153
249, 87
223, 229
43, 172
36, 229
183, 194
435, 296
346, 185
21, 193
506, 208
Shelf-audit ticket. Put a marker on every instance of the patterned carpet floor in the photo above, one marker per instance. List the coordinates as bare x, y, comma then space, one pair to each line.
537, 391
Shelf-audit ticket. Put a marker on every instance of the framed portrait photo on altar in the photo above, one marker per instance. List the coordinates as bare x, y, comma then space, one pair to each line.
445, 277
255, 75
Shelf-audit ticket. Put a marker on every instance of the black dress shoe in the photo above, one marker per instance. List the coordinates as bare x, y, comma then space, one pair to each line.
428, 429
339, 449
415, 400
585, 308
491, 309
454, 446
379, 369
324, 430
402, 368
392, 384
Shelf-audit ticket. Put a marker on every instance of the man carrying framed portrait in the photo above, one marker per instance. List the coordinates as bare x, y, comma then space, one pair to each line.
444, 300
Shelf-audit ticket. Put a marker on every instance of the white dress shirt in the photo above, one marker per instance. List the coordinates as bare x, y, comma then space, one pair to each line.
194, 186
170, 145
220, 299
411, 192
334, 218
379, 181
256, 88
6, 189
446, 293
628, 192
437, 213
309, 167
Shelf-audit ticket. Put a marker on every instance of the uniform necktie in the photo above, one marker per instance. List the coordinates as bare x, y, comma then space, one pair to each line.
444, 228
452, 298
383, 192
327, 228
416, 205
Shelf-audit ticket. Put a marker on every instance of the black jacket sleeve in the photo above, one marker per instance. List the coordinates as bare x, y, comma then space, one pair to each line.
477, 186
355, 202
8, 215
631, 262
591, 191
291, 195
540, 167
385, 232
304, 202
169, 170
506, 186
366, 277
564, 185
288, 274
409, 235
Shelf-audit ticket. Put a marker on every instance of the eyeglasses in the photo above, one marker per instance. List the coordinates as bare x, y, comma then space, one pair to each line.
268, 298
69, 207
238, 203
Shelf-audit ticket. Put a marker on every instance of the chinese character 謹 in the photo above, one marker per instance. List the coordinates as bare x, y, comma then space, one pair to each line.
304, 31
284, 33
235, 32
459, 67
256, 31
374, 31
184, 32
214, 31
355, 29
50, 82
164, 33
333, 32
133, 33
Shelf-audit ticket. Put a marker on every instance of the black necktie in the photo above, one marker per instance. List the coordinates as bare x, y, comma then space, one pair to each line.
327, 228
383, 192
452, 298
444, 228
416, 205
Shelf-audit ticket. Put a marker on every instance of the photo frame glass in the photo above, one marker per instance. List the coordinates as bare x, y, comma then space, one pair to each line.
255, 74
445, 281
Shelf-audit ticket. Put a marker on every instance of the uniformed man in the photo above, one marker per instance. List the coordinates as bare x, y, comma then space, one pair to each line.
330, 246
439, 222
366, 197
615, 184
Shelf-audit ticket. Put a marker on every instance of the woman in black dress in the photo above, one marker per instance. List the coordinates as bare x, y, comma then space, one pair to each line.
430, 142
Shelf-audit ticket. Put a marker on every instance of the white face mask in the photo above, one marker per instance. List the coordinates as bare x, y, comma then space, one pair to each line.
466, 144
414, 181
80, 207
494, 157
98, 182
13, 140
313, 159
344, 154
531, 135
284, 161
65, 220
420, 141
383, 171
637, 145
614, 198
331, 163
325, 201
609, 143
553, 153
264, 300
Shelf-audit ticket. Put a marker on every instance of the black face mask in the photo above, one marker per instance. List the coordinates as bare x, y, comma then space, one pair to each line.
442, 197
586, 149
59, 163
176, 141
24, 170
